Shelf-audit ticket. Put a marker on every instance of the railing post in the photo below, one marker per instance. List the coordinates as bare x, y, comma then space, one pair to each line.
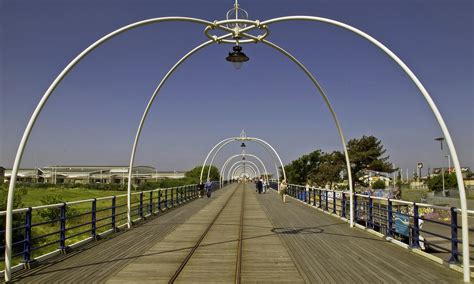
334, 202
114, 205
314, 196
177, 196
172, 197
454, 237
320, 199
416, 227
343, 205
150, 208
94, 219
140, 209
327, 200
355, 209
159, 200
166, 198
308, 195
62, 229
27, 243
390, 218
371, 215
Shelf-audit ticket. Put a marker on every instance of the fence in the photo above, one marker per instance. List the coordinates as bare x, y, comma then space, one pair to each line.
432, 228
54, 228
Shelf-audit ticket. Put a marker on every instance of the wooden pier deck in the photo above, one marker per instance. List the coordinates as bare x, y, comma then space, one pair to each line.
243, 237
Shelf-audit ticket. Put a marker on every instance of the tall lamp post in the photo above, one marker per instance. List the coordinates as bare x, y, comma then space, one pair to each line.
441, 139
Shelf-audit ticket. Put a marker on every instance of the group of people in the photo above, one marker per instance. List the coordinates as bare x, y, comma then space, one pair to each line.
262, 186
207, 187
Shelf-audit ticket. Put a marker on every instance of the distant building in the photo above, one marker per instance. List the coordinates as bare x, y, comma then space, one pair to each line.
92, 174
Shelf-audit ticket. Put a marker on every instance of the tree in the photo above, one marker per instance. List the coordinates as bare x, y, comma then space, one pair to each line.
367, 153
18, 218
328, 170
195, 174
436, 182
297, 172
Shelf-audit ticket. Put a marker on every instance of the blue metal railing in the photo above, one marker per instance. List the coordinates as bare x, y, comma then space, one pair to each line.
74, 222
399, 219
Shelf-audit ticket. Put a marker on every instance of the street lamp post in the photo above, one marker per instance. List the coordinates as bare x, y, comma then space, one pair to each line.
441, 139
449, 163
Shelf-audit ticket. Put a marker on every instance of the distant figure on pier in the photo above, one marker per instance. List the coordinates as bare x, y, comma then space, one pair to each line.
201, 190
209, 188
260, 186
282, 190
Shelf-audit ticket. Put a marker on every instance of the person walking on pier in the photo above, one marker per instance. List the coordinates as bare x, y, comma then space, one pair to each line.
201, 190
208, 188
282, 190
259, 186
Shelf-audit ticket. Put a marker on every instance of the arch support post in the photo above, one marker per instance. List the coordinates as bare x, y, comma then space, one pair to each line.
434, 109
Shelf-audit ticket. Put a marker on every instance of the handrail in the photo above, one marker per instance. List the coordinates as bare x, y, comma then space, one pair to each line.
56, 205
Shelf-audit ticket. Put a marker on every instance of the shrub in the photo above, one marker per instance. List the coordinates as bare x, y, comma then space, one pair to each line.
50, 214
379, 184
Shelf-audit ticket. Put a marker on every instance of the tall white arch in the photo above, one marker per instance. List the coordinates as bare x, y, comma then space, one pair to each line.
244, 163
241, 167
223, 168
259, 141
252, 24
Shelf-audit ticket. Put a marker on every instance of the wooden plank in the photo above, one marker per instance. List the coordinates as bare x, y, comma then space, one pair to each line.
327, 250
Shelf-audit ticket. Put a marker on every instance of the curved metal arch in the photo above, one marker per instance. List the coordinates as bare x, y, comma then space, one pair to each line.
41, 104
434, 109
251, 165
334, 116
232, 173
240, 172
262, 142
227, 142
250, 162
249, 155
223, 168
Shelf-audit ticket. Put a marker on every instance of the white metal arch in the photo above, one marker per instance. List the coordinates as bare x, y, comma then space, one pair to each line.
70, 66
434, 109
240, 172
244, 163
230, 141
242, 168
259, 141
223, 168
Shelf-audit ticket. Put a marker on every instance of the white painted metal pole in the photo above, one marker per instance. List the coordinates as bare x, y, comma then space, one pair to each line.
38, 109
251, 165
223, 168
142, 122
434, 109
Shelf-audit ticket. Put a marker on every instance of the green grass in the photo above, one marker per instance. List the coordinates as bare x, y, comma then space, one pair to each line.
414, 195
35, 195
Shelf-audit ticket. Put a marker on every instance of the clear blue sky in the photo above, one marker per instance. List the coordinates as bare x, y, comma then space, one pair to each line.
93, 115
